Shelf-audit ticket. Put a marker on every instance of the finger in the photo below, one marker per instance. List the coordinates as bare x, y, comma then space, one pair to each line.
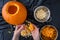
16, 27
21, 28
22, 25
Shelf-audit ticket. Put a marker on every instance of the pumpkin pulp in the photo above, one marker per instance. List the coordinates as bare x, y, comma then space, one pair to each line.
12, 9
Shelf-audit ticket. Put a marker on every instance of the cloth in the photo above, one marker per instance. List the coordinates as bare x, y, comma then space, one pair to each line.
53, 5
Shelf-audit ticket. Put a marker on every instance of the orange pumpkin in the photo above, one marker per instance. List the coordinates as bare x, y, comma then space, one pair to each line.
14, 13
31, 27
28, 29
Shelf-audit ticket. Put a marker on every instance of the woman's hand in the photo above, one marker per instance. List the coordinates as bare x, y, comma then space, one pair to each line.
17, 31
35, 33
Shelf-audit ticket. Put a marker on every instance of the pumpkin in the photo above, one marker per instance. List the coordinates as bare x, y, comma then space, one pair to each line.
28, 29
31, 27
25, 33
14, 12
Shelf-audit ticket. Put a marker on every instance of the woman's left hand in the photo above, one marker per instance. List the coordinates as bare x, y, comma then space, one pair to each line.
17, 32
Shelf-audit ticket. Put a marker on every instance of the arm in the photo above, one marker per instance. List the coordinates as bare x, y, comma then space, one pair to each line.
15, 37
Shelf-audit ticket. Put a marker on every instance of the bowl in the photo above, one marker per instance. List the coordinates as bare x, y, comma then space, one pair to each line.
42, 14
49, 32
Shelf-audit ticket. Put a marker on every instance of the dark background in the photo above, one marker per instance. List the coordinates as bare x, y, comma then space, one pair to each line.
6, 30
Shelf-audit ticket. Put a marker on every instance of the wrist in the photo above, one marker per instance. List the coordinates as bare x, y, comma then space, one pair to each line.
15, 37
36, 38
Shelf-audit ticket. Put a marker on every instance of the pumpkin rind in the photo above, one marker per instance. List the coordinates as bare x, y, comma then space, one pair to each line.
15, 19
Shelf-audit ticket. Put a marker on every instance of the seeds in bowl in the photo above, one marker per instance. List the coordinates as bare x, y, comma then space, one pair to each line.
41, 14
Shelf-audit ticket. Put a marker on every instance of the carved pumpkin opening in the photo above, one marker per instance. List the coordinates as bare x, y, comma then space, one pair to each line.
16, 11
12, 9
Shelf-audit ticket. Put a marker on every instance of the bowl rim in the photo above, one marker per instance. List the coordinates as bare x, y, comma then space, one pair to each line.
51, 26
48, 14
